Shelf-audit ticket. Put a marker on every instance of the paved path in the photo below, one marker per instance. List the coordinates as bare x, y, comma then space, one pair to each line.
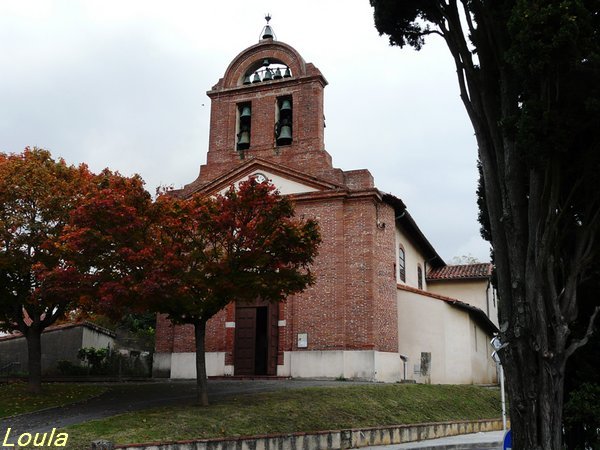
126, 397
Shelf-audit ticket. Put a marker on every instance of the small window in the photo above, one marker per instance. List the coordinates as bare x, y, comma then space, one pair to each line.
420, 277
243, 126
283, 127
402, 264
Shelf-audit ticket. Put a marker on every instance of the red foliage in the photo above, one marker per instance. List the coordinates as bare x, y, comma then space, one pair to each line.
242, 245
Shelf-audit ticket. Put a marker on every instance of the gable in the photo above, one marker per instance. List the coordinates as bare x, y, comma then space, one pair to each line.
287, 181
285, 185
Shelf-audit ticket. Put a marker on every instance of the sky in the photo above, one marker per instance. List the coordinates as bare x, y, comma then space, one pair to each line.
122, 84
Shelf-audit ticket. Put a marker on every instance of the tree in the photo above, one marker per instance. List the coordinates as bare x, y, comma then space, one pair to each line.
108, 243
52, 261
239, 246
582, 385
528, 75
465, 259
37, 195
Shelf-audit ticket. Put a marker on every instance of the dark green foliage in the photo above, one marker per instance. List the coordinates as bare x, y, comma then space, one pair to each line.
68, 368
529, 77
94, 358
582, 384
582, 417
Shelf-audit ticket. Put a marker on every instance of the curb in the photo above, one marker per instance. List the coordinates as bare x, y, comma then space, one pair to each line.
324, 440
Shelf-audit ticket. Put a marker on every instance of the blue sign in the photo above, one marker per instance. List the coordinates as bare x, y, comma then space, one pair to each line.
507, 441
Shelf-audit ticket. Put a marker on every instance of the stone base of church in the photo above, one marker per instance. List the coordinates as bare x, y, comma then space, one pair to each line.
351, 364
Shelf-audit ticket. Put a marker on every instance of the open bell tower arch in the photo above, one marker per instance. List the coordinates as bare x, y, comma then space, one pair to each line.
268, 105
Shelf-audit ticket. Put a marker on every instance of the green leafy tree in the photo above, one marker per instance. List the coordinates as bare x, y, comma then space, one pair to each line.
528, 75
239, 246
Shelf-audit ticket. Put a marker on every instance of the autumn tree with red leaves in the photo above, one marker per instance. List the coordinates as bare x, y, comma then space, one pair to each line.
239, 246
44, 272
108, 243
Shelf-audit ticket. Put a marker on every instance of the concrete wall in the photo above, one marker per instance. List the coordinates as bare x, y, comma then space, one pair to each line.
161, 365
183, 365
359, 364
95, 339
474, 292
57, 345
335, 439
351, 364
447, 333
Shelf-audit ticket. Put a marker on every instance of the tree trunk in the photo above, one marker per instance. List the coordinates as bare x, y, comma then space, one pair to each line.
34, 359
535, 391
201, 379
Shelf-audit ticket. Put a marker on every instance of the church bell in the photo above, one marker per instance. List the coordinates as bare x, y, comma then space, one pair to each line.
285, 135
243, 140
245, 114
286, 107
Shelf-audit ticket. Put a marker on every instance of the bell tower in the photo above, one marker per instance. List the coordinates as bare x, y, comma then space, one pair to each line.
268, 105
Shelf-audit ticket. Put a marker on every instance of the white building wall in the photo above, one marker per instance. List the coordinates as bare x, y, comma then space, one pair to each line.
92, 338
429, 325
413, 258
183, 365
477, 293
352, 364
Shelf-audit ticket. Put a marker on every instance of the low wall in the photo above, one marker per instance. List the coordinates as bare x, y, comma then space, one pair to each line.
323, 440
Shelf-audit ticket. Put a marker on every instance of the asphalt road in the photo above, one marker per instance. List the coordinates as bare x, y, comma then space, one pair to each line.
126, 397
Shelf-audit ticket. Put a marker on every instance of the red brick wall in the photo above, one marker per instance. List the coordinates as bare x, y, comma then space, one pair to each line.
385, 294
353, 303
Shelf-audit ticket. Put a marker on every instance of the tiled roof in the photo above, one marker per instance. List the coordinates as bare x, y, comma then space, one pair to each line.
463, 271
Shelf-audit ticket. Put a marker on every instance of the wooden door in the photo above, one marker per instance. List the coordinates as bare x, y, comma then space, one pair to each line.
245, 340
256, 339
273, 333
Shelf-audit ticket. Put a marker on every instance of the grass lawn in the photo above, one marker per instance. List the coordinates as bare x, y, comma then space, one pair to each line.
15, 399
307, 409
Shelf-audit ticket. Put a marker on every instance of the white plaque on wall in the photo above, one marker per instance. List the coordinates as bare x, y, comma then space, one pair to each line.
302, 340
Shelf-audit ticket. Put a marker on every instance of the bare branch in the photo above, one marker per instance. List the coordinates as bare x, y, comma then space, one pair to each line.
468, 17
581, 342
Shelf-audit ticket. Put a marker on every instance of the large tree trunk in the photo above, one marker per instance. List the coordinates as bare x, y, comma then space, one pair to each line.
201, 379
34, 359
535, 391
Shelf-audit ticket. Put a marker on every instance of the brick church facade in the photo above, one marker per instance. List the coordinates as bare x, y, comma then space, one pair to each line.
371, 300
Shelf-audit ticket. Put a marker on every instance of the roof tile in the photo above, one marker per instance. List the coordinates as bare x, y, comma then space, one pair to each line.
463, 271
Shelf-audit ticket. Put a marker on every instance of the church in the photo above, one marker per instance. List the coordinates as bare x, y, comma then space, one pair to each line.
384, 307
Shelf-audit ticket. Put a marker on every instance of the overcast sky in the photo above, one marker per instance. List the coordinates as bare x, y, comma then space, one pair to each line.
122, 84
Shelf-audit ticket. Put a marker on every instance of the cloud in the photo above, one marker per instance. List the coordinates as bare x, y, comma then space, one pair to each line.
122, 84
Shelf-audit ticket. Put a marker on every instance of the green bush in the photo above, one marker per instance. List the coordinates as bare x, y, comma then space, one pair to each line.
69, 369
582, 416
95, 358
